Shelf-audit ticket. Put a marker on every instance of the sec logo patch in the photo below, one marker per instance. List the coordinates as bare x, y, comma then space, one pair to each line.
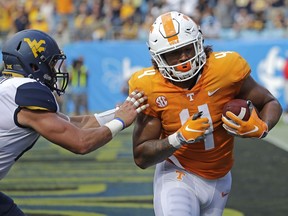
161, 101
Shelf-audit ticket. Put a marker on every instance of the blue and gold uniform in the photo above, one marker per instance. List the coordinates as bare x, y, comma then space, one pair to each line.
32, 63
17, 93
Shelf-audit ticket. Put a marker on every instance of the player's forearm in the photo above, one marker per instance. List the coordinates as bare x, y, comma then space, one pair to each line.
84, 121
152, 152
271, 113
92, 121
80, 141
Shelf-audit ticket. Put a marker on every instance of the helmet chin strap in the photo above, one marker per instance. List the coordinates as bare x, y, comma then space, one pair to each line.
197, 76
30, 76
195, 79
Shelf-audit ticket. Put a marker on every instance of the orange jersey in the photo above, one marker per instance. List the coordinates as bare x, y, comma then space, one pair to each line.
220, 81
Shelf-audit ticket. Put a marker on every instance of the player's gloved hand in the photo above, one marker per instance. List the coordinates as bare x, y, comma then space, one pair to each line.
192, 131
254, 127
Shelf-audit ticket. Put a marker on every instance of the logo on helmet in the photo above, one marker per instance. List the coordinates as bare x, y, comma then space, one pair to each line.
35, 46
9, 66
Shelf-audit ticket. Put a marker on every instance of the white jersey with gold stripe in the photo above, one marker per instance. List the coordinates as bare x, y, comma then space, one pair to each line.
17, 93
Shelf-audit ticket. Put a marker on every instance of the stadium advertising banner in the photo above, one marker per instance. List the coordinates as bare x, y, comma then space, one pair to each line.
110, 63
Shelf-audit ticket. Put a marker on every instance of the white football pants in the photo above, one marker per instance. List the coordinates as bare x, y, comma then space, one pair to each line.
181, 193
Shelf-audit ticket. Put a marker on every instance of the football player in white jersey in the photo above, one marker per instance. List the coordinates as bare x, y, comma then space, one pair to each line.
193, 154
32, 62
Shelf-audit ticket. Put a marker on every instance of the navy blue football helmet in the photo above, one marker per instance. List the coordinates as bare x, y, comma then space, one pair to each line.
34, 54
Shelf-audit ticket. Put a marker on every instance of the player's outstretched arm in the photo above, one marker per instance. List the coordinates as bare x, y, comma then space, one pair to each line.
61, 131
127, 112
134, 103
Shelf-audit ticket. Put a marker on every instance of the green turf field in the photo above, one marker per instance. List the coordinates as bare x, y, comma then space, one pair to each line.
51, 181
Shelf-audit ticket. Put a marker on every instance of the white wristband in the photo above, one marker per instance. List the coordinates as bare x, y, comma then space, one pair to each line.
106, 116
173, 140
115, 126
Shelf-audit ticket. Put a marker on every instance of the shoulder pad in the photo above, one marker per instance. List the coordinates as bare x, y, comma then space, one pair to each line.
35, 96
142, 79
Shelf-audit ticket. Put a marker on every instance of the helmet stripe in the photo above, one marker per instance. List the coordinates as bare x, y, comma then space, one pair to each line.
169, 28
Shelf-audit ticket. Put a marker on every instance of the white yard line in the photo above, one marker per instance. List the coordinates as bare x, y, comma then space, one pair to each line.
277, 142
278, 136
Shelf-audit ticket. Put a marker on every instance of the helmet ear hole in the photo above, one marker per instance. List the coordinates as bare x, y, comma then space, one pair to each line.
19, 45
34, 67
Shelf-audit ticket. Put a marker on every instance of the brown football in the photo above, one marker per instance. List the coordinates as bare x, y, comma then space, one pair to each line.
239, 107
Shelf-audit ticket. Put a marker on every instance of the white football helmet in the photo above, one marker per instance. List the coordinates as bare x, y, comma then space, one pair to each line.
172, 31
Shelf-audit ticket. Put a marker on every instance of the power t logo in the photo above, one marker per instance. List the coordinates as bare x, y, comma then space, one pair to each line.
35, 46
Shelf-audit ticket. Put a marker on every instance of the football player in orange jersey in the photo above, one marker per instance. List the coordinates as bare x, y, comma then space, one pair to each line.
182, 131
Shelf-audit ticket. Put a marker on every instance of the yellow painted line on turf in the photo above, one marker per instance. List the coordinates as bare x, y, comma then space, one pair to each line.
73, 203
111, 153
111, 202
135, 179
121, 199
59, 213
227, 212
232, 212
83, 170
81, 189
